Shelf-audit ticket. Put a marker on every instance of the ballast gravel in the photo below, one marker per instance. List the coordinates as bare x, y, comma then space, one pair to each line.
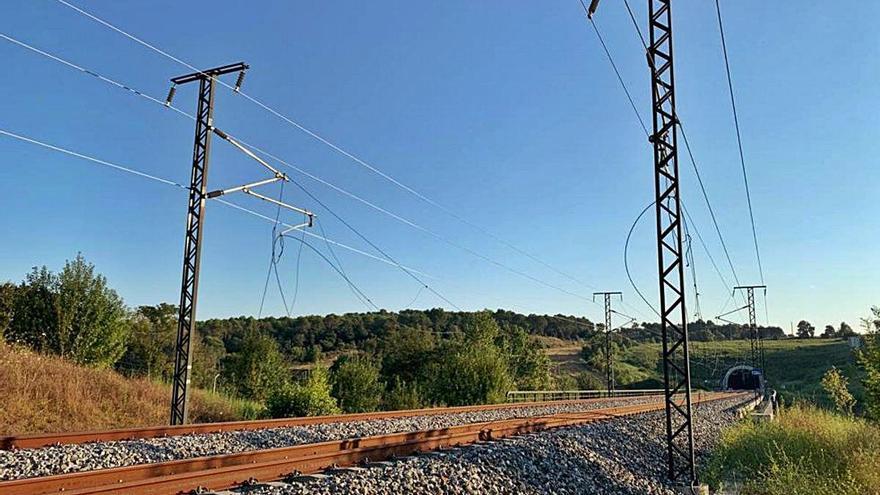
58, 459
620, 456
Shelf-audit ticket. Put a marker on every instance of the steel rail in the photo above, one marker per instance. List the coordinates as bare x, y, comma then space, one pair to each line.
37, 440
224, 471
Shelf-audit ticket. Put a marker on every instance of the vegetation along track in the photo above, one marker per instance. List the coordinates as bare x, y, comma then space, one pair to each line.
224, 471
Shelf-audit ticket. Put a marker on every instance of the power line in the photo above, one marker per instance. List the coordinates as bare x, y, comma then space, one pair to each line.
742, 159
377, 248
449, 211
181, 186
684, 136
320, 180
357, 292
617, 72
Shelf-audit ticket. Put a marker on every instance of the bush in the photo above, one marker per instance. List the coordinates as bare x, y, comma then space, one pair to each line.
589, 381
806, 451
257, 369
356, 384
403, 395
835, 385
471, 374
73, 314
311, 398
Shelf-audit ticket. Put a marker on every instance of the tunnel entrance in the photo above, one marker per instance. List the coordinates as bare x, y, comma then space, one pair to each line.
742, 378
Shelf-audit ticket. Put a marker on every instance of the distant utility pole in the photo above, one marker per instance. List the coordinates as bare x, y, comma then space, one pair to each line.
609, 351
755, 337
195, 220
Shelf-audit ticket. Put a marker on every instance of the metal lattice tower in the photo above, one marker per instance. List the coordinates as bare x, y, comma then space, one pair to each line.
609, 350
755, 338
673, 316
195, 219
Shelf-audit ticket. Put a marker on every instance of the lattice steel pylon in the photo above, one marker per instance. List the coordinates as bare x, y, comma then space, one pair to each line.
192, 244
673, 315
755, 338
609, 350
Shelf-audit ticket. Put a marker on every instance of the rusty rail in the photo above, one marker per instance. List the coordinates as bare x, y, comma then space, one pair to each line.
224, 471
30, 441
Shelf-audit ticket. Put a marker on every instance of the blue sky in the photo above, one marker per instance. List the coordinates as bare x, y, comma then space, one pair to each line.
506, 112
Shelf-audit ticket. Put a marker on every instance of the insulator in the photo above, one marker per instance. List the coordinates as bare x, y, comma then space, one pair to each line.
170, 96
239, 81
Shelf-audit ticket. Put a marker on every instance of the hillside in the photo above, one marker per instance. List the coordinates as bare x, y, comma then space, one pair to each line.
48, 394
794, 366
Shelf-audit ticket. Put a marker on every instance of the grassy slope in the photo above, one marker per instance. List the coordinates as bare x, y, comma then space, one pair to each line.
794, 366
48, 394
807, 451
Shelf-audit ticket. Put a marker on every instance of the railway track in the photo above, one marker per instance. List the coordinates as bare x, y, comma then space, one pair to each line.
33, 441
225, 471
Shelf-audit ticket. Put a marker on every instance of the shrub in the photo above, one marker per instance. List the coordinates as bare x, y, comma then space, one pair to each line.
311, 398
356, 384
403, 395
835, 385
806, 451
471, 374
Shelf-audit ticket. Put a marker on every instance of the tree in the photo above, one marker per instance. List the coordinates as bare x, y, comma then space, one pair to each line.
402, 395
829, 332
73, 314
466, 373
257, 369
869, 360
805, 330
356, 384
91, 317
7, 306
846, 330
528, 365
311, 398
34, 311
151, 342
835, 385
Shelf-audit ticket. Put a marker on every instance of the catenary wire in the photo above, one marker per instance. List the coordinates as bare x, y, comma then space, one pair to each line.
449, 211
742, 159
322, 181
686, 142
186, 188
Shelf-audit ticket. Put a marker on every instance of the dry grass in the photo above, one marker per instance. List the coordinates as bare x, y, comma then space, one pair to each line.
808, 451
41, 393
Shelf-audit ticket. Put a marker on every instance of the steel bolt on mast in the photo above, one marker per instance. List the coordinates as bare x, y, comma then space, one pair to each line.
198, 194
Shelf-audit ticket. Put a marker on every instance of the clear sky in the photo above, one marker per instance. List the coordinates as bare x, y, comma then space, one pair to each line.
506, 112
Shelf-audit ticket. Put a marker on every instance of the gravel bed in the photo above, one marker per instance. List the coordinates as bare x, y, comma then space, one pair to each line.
58, 459
622, 456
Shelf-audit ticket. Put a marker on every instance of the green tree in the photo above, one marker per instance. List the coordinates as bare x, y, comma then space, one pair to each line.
846, 330
402, 395
528, 365
35, 316
829, 332
311, 398
151, 341
356, 384
467, 372
7, 306
257, 369
91, 316
835, 385
805, 330
869, 360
